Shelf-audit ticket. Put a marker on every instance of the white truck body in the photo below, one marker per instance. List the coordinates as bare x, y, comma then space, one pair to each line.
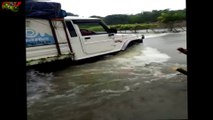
49, 40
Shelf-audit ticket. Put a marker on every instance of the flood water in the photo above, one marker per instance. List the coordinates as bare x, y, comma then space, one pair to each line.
137, 84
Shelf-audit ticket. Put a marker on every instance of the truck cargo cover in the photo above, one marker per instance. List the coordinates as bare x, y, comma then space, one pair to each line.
45, 10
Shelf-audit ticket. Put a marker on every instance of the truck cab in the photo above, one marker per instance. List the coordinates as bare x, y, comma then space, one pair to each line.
72, 37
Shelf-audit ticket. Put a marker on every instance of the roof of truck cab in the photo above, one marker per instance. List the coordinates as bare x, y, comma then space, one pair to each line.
79, 18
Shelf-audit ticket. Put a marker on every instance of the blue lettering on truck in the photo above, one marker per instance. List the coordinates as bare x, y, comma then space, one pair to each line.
36, 39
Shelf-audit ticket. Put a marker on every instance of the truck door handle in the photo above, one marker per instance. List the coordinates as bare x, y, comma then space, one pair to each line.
87, 38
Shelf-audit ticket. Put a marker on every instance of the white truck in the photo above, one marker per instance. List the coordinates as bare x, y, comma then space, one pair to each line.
72, 37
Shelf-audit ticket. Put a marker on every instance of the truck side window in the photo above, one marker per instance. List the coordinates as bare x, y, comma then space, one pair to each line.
90, 27
71, 29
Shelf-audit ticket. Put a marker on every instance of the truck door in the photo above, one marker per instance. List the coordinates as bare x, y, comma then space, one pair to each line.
94, 36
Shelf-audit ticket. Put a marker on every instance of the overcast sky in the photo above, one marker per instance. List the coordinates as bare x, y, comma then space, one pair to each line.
103, 8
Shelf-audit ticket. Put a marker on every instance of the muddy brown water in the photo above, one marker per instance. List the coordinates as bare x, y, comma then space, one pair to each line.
137, 84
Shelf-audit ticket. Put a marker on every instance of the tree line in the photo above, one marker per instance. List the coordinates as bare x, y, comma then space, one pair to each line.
145, 20
145, 17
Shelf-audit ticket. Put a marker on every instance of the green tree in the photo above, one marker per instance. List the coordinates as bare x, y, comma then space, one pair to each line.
147, 20
116, 19
170, 17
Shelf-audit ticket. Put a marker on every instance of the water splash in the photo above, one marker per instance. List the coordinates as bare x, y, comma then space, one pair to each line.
150, 55
126, 89
155, 35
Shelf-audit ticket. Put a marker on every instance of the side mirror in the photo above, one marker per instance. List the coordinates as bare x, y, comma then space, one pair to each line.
142, 37
112, 30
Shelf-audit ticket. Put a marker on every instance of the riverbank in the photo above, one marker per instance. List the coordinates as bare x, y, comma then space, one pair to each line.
151, 27
154, 31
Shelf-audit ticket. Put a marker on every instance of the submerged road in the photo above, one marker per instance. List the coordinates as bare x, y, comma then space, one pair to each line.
137, 84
